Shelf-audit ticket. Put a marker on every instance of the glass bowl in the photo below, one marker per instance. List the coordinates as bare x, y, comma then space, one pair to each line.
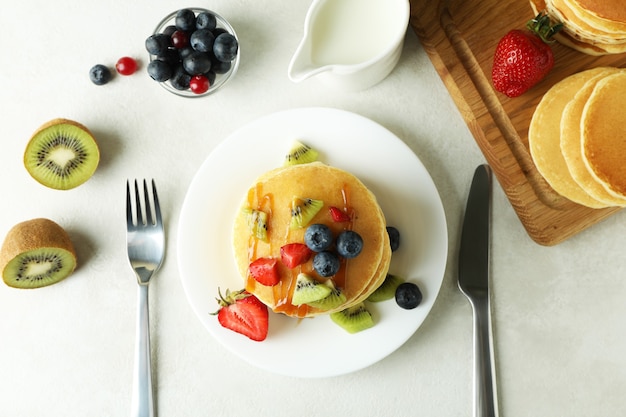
220, 79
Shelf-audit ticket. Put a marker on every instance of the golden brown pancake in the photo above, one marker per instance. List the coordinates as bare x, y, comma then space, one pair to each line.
273, 192
571, 146
604, 134
544, 137
579, 32
608, 15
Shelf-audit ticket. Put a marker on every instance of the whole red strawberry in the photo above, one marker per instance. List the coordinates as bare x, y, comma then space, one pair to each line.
243, 313
523, 57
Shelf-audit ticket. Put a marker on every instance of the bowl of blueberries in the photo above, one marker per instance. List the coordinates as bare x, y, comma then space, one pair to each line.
193, 52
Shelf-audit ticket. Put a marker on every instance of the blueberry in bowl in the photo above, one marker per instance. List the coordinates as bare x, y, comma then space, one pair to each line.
193, 52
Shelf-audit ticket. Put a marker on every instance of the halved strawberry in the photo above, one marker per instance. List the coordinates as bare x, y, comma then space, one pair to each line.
265, 271
294, 254
338, 215
243, 313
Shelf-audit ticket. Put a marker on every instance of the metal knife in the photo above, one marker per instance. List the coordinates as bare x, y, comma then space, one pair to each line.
474, 283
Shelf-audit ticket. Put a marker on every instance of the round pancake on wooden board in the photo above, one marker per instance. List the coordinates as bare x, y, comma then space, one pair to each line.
544, 137
604, 134
607, 15
571, 146
273, 192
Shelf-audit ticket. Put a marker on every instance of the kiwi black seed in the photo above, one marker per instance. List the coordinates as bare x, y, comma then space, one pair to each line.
62, 154
36, 253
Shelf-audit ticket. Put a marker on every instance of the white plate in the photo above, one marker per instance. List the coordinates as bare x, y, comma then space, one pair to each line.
313, 347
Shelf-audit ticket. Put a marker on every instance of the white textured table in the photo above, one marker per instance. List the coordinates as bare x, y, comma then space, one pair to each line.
66, 350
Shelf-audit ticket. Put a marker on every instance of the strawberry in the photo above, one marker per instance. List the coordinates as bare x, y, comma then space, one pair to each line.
265, 271
294, 254
243, 313
523, 57
338, 215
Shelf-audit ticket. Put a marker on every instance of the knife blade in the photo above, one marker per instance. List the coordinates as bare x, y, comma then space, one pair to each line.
473, 281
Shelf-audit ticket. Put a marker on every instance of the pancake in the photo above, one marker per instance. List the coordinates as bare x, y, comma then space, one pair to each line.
607, 15
544, 137
572, 150
579, 31
273, 192
604, 134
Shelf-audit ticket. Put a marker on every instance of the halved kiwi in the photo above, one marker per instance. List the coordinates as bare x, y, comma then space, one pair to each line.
62, 154
36, 253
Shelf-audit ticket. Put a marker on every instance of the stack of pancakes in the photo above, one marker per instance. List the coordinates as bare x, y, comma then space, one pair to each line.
577, 137
273, 193
595, 27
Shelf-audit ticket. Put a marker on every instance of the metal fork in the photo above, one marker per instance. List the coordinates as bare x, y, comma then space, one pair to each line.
146, 248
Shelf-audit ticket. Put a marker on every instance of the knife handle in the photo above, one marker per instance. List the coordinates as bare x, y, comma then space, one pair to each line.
485, 396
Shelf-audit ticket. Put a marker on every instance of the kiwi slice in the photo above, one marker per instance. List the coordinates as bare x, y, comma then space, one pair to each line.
36, 253
62, 154
257, 223
354, 318
387, 289
303, 210
308, 290
300, 154
332, 300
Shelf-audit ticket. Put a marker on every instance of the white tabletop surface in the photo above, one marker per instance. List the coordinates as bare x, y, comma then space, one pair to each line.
67, 350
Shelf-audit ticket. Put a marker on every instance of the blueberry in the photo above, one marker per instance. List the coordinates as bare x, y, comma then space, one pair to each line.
169, 30
394, 238
157, 44
408, 295
220, 67
225, 47
202, 40
211, 76
99, 74
171, 56
206, 20
318, 237
159, 70
197, 63
185, 19
349, 244
180, 79
326, 264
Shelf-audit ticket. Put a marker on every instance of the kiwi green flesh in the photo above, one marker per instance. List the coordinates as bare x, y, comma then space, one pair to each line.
308, 290
300, 154
353, 319
387, 289
303, 210
39, 267
61, 156
333, 300
257, 223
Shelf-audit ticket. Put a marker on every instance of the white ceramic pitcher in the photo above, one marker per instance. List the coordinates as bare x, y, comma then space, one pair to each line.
350, 44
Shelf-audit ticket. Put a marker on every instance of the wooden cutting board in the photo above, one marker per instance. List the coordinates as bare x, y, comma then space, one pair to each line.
460, 37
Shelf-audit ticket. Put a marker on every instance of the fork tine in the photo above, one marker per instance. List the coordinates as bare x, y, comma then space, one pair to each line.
129, 208
138, 206
146, 197
157, 207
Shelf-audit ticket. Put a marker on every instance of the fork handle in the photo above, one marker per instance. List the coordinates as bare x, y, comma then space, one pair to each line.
142, 402
485, 396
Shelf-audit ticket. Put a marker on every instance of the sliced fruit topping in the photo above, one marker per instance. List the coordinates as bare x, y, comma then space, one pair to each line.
353, 319
303, 210
408, 295
300, 154
243, 313
349, 244
326, 263
338, 215
62, 154
394, 238
318, 237
333, 300
265, 271
309, 290
36, 253
294, 254
257, 223
387, 289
